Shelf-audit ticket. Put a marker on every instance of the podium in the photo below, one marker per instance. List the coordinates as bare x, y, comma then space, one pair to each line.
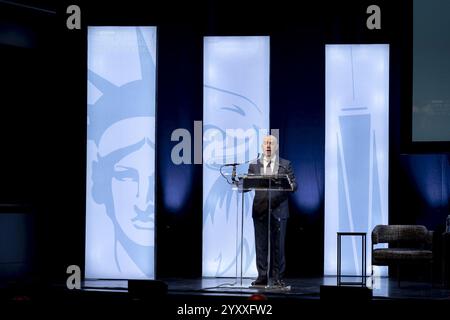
257, 182
269, 183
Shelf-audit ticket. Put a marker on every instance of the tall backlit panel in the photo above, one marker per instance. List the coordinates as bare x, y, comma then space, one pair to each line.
356, 149
120, 191
235, 118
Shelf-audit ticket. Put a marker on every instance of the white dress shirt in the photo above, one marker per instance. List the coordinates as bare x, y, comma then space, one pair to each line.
272, 164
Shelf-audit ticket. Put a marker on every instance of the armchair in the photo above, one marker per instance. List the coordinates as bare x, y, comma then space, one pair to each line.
410, 244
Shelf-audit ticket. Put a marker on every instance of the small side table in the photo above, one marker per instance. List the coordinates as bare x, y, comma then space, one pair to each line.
363, 258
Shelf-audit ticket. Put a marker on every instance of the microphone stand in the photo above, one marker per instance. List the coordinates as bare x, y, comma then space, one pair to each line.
235, 181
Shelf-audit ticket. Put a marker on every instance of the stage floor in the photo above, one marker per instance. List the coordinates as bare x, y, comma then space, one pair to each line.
219, 295
301, 288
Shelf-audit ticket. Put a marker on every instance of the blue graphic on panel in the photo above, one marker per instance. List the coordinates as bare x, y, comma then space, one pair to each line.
235, 114
121, 154
221, 193
355, 133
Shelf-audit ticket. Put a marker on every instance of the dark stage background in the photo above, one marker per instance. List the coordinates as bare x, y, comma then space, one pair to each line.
43, 119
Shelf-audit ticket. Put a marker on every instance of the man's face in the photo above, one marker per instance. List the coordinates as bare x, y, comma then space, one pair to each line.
133, 192
269, 146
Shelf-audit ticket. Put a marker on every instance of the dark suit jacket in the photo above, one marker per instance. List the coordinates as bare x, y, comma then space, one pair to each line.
279, 199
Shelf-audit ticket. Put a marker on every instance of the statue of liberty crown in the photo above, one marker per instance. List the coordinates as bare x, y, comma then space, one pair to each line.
133, 99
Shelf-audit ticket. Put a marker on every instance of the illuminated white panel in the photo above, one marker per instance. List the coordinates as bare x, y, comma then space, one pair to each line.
356, 149
235, 115
120, 191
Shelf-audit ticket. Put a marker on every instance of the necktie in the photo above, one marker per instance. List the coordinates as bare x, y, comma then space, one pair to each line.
268, 168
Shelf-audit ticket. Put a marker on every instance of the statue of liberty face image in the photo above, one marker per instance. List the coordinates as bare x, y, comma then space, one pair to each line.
133, 188
122, 125
128, 186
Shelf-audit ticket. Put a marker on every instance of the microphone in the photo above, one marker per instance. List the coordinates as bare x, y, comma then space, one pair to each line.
258, 155
233, 173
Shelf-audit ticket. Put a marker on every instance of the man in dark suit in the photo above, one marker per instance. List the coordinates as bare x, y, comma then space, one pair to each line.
271, 163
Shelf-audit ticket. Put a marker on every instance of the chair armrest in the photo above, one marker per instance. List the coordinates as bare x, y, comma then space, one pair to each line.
374, 237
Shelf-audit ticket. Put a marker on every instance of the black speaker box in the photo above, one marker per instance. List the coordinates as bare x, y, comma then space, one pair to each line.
147, 288
340, 293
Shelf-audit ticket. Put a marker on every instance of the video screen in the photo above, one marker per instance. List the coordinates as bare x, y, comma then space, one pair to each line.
431, 71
